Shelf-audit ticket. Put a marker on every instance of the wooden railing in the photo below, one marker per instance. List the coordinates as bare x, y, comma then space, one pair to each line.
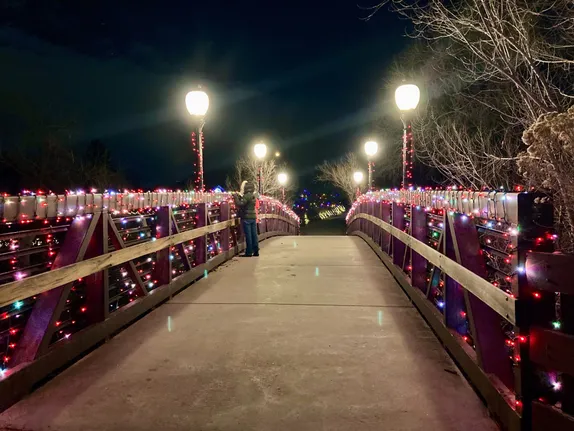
480, 268
76, 269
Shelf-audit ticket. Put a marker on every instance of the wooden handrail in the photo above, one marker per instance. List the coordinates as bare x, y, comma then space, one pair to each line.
499, 301
34, 285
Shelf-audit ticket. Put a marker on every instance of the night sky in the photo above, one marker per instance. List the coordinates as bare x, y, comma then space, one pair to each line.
305, 75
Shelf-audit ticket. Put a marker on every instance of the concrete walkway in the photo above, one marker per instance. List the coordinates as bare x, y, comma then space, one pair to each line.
313, 335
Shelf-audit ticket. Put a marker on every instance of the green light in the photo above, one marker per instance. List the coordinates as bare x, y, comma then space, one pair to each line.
556, 324
18, 305
205, 273
317, 272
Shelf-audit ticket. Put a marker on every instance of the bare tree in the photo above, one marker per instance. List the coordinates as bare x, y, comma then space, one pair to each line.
468, 145
340, 174
549, 164
514, 57
247, 169
527, 43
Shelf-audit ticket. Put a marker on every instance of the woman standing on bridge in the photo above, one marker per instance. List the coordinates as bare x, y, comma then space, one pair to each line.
246, 201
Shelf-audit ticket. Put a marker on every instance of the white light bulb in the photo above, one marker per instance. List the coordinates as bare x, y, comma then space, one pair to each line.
371, 148
197, 103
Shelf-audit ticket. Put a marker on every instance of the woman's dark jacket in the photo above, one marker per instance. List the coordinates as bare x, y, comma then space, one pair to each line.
246, 204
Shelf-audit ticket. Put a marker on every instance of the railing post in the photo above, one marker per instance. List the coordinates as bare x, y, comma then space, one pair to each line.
386, 237
377, 214
399, 223
370, 226
225, 212
97, 285
200, 244
419, 229
453, 297
162, 270
484, 322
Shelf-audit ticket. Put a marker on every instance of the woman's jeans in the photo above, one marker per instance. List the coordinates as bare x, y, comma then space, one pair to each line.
250, 231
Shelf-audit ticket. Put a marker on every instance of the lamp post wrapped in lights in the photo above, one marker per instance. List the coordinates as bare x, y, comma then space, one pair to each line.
197, 103
260, 151
371, 148
407, 99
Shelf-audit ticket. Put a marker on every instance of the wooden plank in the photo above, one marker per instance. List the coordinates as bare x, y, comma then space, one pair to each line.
551, 349
34, 285
499, 301
545, 417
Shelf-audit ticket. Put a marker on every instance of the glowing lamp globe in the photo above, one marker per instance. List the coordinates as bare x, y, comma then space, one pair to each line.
260, 150
358, 177
282, 178
371, 148
197, 103
407, 97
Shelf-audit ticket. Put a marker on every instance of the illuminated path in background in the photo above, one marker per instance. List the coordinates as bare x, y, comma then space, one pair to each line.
313, 335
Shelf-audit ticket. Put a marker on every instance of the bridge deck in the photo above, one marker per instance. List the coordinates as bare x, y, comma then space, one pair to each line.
313, 335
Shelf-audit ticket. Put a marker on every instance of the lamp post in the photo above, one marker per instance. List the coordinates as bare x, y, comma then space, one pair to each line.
260, 151
371, 148
358, 178
197, 103
407, 98
282, 179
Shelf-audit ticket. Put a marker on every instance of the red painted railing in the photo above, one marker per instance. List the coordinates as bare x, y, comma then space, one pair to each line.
76, 268
481, 269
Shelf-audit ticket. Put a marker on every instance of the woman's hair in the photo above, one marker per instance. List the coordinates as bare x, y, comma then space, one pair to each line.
242, 188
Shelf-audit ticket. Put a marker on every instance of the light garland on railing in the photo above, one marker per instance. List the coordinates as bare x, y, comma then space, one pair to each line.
135, 225
498, 236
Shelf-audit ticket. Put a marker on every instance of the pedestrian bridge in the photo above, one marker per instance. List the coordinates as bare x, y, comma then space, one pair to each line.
313, 334
146, 318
